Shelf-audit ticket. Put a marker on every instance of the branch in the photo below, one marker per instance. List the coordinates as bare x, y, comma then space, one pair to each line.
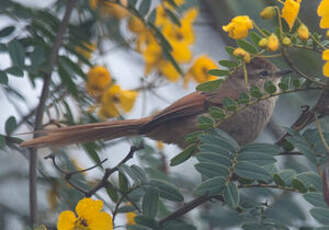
110, 171
40, 110
189, 206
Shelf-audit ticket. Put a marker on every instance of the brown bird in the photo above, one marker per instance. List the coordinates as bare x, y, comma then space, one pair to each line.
181, 118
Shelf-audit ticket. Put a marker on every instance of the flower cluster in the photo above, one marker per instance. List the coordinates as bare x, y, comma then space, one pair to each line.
112, 99
323, 12
89, 217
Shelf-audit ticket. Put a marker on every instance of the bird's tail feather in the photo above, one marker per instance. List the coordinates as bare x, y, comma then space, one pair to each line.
87, 133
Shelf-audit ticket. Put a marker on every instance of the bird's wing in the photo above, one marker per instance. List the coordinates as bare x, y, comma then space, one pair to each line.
192, 104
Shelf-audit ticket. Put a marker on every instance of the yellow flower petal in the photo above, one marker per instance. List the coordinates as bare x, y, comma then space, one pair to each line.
326, 69
325, 55
130, 216
273, 42
239, 52
323, 8
101, 221
324, 23
290, 11
167, 69
66, 220
98, 79
239, 26
127, 99
303, 32
87, 206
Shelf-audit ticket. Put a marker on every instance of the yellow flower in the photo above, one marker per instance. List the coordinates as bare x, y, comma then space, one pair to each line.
130, 216
268, 12
273, 42
239, 52
167, 69
162, 17
152, 56
303, 32
323, 11
325, 57
136, 25
89, 217
112, 9
115, 100
290, 11
86, 49
160, 145
98, 79
239, 26
263, 42
199, 70
286, 41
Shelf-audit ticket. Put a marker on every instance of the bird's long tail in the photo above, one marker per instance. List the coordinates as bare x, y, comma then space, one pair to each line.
87, 133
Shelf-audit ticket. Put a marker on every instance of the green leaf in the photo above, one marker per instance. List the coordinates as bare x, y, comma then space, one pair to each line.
146, 221
310, 179
206, 122
132, 3
287, 175
144, 7
297, 184
16, 53
255, 92
247, 46
214, 158
173, 17
123, 182
243, 98
297, 83
303, 146
111, 192
166, 190
3, 78
278, 181
152, 17
38, 57
262, 148
316, 199
6, 31
255, 37
73, 67
184, 155
258, 158
177, 224
209, 86
10, 125
231, 195
321, 215
139, 173
283, 85
218, 72
193, 137
2, 141
212, 169
211, 186
92, 148
228, 64
229, 104
216, 113
230, 50
16, 71
150, 202
66, 77
137, 227
269, 87
252, 171
126, 208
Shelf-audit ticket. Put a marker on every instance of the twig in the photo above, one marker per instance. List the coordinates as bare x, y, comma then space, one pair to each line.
110, 171
40, 110
189, 206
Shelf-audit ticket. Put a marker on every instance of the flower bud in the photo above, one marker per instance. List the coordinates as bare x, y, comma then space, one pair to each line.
327, 34
239, 52
273, 42
303, 32
268, 12
263, 42
286, 41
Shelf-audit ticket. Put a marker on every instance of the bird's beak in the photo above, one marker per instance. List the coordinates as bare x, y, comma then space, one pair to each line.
283, 72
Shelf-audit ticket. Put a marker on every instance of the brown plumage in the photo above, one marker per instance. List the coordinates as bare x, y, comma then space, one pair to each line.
177, 120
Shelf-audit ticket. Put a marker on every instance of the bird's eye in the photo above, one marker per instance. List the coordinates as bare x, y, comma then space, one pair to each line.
264, 73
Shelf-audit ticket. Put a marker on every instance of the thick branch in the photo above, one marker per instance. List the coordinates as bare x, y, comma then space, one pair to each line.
41, 107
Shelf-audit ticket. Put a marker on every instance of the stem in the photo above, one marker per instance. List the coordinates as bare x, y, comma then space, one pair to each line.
40, 110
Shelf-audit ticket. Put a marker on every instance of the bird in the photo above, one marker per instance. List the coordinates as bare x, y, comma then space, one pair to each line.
174, 122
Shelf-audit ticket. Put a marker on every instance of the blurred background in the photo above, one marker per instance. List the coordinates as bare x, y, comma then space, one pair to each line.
127, 68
